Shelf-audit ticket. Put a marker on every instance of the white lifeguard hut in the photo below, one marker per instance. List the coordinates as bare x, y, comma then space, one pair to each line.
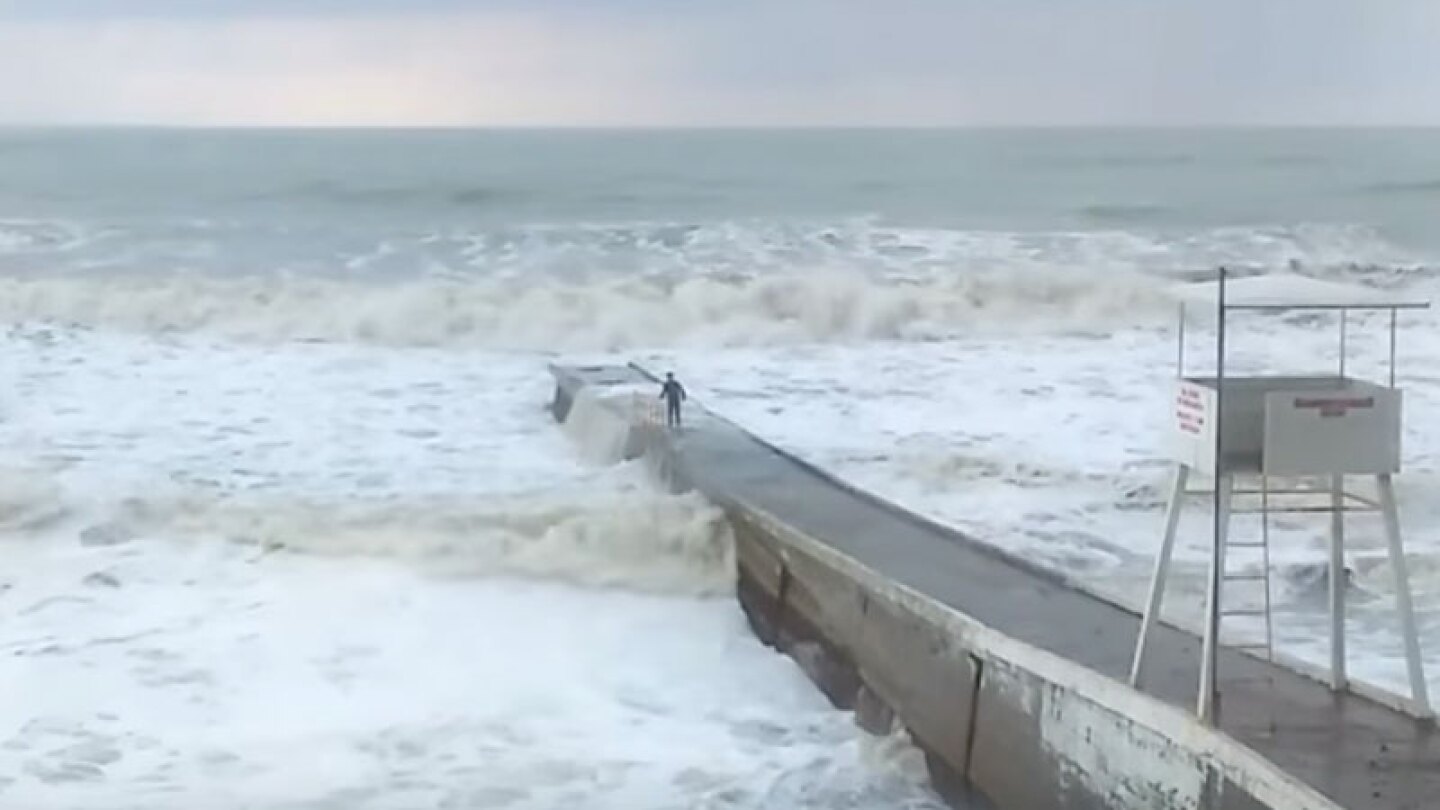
1317, 426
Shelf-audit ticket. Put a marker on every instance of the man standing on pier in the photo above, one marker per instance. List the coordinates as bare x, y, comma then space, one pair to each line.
673, 393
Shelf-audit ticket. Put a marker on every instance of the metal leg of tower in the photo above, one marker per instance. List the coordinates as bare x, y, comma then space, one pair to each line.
1210, 646
1161, 572
1418, 691
1337, 583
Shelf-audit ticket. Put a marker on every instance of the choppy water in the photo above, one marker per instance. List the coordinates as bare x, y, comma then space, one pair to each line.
288, 523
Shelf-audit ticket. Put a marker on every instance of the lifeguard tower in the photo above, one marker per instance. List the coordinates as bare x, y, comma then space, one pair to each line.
1324, 429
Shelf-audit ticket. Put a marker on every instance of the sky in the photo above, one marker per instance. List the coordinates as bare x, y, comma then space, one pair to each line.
720, 63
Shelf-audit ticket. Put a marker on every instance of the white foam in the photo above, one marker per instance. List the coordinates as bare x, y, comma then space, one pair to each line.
600, 423
235, 680
339, 577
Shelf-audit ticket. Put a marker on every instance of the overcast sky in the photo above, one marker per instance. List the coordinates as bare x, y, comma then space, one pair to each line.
722, 62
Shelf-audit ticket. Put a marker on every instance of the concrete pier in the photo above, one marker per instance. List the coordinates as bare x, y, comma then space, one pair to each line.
1011, 680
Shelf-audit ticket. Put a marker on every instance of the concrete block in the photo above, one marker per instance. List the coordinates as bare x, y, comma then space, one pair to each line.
913, 664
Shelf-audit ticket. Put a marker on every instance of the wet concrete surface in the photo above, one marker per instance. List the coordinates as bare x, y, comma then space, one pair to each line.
1356, 751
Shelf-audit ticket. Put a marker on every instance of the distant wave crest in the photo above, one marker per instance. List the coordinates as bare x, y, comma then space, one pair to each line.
1124, 212
1118, 161
1421, 187
603, 313
439, 194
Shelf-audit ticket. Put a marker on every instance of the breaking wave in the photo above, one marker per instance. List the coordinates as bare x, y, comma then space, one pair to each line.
639, 540
605, 313
629, 285
634, 539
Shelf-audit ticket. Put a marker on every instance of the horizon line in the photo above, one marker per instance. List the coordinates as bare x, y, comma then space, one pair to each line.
703, 127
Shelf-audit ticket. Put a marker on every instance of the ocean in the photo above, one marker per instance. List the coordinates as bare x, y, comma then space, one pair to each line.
288, 525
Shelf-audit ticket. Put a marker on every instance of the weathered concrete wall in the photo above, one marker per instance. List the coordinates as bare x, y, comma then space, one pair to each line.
1021, 727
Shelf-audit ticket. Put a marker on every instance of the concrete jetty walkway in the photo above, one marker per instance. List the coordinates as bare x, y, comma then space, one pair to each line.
1356, 752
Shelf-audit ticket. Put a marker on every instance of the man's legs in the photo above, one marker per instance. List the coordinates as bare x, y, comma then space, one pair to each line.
672, 414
